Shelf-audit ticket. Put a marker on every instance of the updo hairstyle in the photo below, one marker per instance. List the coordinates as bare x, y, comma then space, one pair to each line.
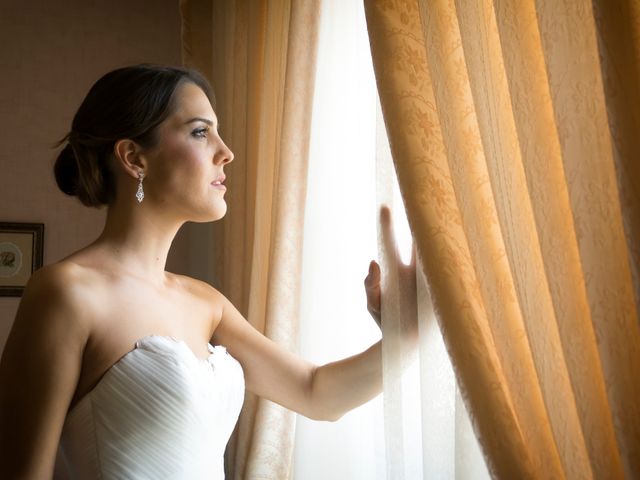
129, 102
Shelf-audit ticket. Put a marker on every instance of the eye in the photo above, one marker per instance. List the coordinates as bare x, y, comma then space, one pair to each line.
200, 132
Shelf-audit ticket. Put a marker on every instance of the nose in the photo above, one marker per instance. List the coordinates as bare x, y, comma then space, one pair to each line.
224, 154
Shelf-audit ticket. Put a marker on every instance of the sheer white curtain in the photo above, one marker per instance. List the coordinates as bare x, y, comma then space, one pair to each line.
339, 243
418, 428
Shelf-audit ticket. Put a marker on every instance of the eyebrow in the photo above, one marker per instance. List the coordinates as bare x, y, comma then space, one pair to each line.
199, 119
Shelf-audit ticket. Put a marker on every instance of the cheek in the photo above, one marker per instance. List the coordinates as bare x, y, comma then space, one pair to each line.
177, 148
180, 155
184, 165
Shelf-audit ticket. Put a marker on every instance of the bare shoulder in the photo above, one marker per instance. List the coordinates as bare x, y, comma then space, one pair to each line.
199, 288
203, 292
61, 275
39, 370
55, 301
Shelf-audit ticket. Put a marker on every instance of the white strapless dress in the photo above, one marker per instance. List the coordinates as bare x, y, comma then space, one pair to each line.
159, 412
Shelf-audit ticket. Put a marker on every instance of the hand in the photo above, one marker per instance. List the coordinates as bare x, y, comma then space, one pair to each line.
372, 288
406, 279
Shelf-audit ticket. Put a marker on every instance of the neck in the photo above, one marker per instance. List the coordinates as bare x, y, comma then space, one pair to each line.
137, 238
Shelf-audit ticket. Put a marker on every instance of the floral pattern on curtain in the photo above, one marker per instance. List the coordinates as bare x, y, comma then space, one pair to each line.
513, 128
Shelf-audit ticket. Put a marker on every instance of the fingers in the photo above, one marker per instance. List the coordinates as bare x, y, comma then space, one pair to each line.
388, 236
414, 252
389, 240
385, 213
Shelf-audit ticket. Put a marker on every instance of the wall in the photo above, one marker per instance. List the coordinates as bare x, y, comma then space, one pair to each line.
50, 55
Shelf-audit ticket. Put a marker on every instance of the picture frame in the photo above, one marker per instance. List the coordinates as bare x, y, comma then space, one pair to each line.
21, 252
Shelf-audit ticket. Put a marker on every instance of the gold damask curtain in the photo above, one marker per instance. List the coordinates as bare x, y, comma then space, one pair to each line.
260, 58
514, 126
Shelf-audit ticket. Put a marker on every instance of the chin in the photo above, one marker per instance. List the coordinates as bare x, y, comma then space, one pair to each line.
209, 212
216, 214
219, 217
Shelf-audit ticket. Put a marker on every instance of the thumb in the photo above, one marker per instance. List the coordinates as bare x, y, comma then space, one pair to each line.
374, 274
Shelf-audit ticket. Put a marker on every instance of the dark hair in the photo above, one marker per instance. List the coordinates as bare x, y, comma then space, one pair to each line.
129, 102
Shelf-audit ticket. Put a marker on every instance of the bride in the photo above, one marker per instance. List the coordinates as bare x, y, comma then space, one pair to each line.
112, 357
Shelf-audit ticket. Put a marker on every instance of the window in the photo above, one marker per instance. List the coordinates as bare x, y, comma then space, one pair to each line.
350, 172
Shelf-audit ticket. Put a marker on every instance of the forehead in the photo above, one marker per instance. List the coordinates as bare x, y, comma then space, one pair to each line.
190, 101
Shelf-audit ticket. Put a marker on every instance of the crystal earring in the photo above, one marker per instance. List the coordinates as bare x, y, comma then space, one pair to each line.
140, 192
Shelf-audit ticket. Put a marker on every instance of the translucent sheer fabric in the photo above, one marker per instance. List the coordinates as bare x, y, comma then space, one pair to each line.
158, 412
418, 427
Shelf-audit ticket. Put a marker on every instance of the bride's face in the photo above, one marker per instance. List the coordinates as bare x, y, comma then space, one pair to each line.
189, 156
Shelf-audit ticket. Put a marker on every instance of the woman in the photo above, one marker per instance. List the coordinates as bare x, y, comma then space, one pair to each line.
110, 355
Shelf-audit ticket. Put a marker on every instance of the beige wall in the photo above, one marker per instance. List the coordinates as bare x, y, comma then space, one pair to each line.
51, 52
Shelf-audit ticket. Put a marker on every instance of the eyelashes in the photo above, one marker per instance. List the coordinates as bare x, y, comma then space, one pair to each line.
200, 132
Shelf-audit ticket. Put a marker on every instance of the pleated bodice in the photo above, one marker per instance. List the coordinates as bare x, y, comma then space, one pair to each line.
159, 412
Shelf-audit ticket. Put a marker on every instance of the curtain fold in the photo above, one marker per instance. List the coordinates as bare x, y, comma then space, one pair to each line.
512, 126
618, 29
260, 58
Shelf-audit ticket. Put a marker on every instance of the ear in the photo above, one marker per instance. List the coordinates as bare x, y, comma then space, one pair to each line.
129, 155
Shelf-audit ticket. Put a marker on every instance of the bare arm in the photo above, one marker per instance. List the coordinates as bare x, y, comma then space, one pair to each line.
39, 373
348, 383
272, 372
329, 391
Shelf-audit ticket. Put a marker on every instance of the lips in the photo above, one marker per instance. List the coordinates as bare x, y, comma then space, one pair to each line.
219, 180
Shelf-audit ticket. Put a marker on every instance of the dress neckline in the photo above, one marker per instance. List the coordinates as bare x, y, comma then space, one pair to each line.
176, 341
163, 340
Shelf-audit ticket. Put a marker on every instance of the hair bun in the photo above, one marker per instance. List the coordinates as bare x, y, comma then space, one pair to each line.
66, 171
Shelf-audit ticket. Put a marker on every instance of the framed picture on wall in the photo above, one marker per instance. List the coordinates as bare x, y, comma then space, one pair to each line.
21, 247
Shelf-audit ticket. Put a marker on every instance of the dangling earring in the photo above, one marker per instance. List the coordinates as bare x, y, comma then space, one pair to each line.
140, 192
